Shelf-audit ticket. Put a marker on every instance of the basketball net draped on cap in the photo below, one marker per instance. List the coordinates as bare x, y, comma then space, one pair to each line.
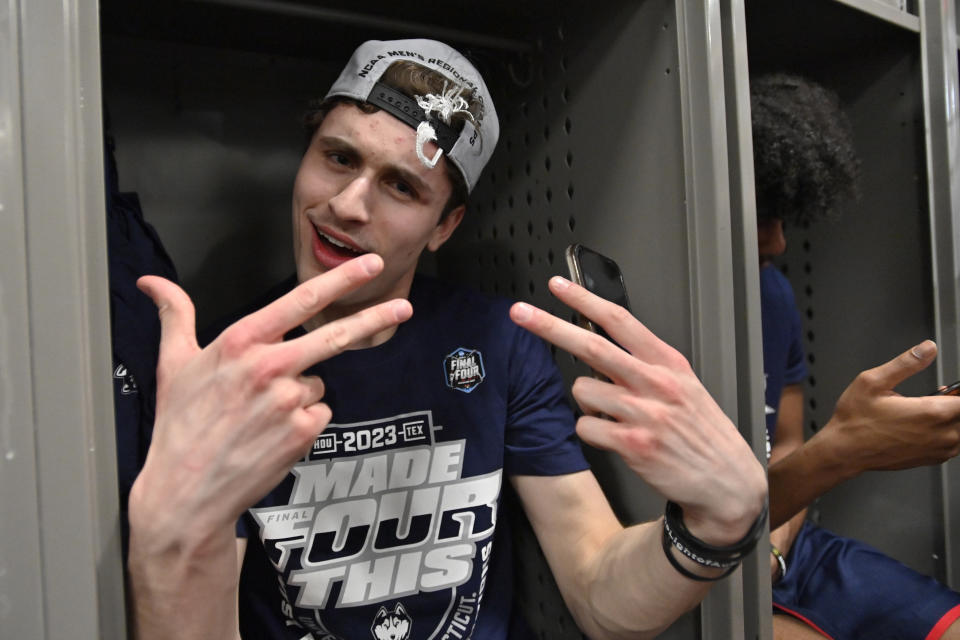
430, 115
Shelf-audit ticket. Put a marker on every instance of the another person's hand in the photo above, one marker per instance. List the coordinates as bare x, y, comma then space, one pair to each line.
234, 417
874, 427
657, 415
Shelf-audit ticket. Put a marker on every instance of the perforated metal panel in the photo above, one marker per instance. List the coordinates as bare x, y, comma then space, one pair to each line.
592, 153
863, 282
610, 139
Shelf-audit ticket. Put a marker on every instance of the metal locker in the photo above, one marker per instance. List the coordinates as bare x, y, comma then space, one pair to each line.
865, 283
625, 127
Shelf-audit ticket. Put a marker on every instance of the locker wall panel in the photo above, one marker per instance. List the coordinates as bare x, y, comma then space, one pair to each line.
863, 282
593, 150
605, 188
211, 140
59, 454
208, 137
750, 375
205, 97
21, 559
591, 155
870, 299
939, 62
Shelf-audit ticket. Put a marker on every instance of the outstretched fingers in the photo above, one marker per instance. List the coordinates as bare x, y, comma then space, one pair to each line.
178, 338
912, 361
270, 323
337, 336
618, 322
598, 353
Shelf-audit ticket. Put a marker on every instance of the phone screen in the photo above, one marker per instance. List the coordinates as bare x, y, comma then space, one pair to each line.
599, 275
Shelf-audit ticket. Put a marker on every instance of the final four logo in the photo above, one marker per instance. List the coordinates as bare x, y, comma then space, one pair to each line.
463, 369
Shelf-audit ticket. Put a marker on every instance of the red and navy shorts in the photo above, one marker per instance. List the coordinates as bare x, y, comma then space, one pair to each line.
848, 590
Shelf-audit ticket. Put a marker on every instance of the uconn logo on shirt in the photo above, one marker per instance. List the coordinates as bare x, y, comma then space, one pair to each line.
392, 625
463, 369
388, 516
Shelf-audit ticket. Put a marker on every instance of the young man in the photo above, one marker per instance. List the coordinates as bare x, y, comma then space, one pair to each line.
806, 168
385, 523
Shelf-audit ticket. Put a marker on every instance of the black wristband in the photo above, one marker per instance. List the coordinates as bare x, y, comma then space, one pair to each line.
706, 554
682, 570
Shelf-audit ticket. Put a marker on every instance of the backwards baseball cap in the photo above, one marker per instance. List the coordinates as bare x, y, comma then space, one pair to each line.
468, 149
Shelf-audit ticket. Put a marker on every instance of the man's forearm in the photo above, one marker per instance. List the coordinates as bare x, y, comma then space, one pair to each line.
872, 427
184, 590
636, 592
803, 476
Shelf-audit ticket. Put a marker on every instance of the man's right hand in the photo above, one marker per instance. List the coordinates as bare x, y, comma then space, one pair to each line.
234, 417
231, 420
874, 427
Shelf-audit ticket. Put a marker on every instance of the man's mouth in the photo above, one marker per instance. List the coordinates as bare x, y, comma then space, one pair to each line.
338, 247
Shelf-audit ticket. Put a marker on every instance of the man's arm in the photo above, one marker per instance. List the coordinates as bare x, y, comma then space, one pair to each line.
787, 439
616, 581
659, 418
231, 420
872, 427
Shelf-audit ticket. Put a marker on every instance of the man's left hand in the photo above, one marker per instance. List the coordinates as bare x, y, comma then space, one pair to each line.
656, 415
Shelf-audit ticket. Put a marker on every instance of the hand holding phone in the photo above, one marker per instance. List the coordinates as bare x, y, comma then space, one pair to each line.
599, 275
949, 390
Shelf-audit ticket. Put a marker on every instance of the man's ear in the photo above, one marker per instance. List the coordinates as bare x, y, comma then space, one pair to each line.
446, 227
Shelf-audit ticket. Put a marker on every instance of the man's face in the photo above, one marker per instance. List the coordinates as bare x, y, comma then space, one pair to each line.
770, 238
361, 189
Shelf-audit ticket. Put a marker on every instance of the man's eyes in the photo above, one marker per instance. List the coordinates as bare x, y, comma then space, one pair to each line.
404, 188
339, 158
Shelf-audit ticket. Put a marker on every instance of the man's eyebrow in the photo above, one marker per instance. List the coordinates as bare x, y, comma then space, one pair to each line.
338, 143
401, 172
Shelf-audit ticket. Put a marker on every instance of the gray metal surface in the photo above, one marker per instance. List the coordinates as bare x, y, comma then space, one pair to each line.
636, 167
749, 339
21, 590
57, 430
365, 19
586, 155
863, 285
863, 281
210, 140
591, 157
707, 188
885, 11
939, 53
675, 252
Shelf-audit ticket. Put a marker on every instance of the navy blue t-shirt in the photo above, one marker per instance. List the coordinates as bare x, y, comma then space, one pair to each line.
783, 362
391, 526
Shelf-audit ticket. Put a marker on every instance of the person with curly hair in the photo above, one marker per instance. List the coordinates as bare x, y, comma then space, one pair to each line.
806, 169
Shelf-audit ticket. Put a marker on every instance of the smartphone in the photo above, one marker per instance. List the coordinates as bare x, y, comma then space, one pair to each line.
597, 274
949, 390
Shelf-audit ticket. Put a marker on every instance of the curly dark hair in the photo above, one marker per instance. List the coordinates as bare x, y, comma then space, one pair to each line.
805, 166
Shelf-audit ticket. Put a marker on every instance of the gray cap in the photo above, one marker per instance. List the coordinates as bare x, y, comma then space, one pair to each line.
471, 148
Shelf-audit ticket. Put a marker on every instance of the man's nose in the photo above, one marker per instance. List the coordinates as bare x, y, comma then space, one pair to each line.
352, 202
